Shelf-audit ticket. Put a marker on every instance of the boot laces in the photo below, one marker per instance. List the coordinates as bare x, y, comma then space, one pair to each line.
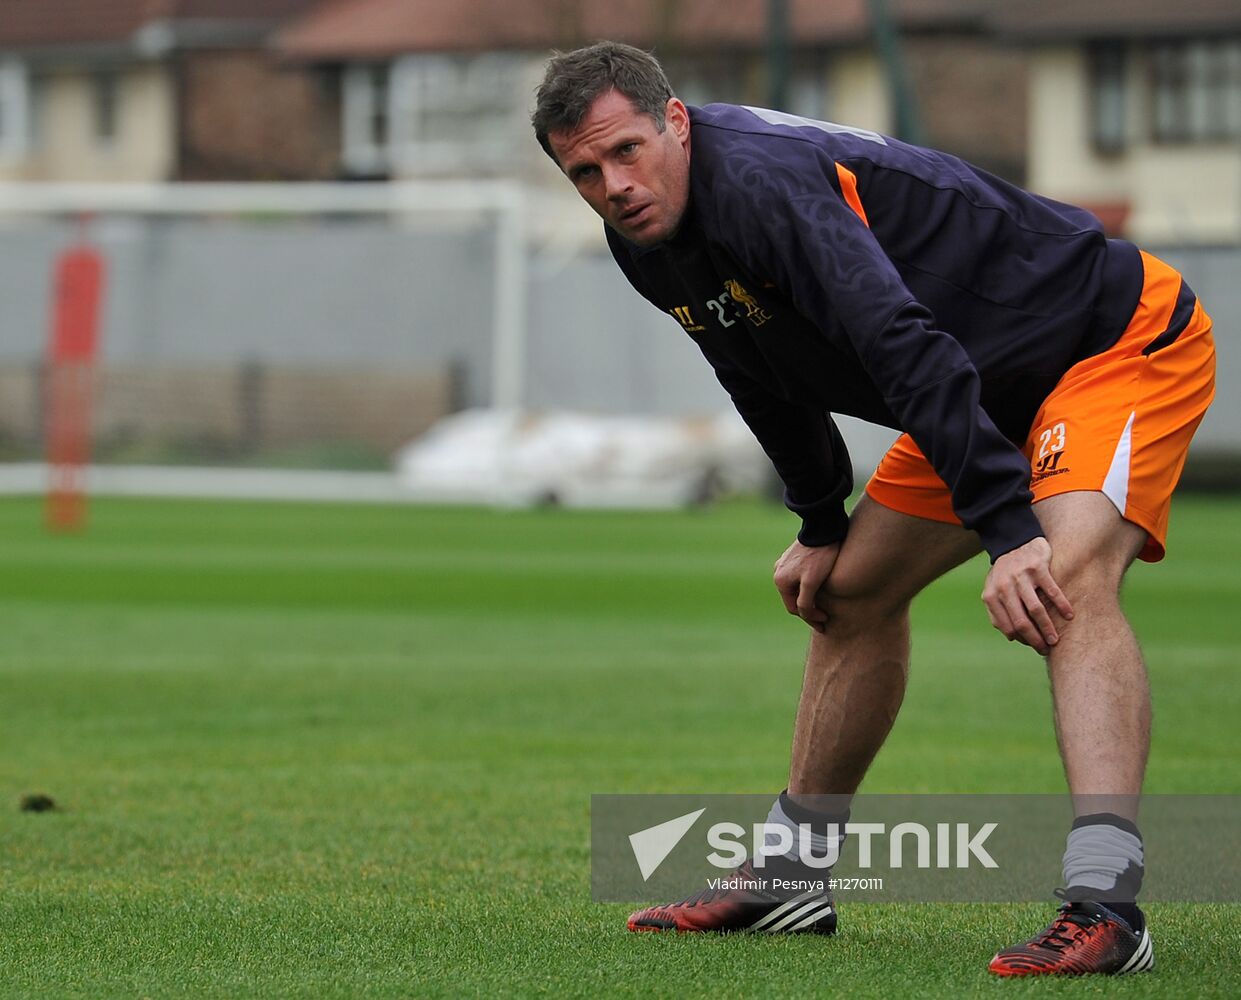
1070, 921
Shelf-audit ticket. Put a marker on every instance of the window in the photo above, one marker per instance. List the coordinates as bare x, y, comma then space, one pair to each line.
105, 93
709, 78
1107, 97
808, 95
377, 113
706, 78
459, 112
36, 104
367, 110
14, 109
1196, 91
433, 114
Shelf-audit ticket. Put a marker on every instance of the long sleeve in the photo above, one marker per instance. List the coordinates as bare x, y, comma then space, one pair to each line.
806, 449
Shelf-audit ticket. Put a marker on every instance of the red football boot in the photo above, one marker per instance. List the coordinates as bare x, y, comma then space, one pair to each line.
1084, 938
745, 901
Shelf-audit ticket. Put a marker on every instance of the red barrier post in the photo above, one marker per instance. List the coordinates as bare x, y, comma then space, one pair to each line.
78, 291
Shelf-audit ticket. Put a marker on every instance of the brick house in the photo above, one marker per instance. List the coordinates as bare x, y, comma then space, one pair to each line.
152, 90
444, 87
318, 89
1135, 111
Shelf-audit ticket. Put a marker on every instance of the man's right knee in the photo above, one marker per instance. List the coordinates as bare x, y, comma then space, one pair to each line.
886, 559
866, 631
864, 604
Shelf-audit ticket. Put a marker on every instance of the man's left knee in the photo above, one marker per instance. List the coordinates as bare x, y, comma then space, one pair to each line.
1089, 573
1091, 579
1092, 547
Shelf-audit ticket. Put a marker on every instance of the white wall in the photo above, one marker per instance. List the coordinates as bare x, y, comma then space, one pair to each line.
1177, 194
859, 93
65, 145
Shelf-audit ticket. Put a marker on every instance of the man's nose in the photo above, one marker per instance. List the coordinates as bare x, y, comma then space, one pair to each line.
617, 183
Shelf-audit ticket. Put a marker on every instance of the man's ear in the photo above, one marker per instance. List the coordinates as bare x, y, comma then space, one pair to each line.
677, 118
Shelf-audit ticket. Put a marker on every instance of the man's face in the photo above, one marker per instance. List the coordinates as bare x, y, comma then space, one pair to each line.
633, 175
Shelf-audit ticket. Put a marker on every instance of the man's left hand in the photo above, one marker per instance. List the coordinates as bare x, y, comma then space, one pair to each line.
1015, 591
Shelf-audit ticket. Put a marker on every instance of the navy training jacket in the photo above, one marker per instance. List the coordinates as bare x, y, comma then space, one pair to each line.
825, 269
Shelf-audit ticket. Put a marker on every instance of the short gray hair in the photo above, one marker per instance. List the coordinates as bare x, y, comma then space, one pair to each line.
574, 79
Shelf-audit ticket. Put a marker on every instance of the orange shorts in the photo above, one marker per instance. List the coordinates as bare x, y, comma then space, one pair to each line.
1118, 423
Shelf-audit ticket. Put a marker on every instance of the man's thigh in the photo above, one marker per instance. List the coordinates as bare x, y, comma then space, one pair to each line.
890, 556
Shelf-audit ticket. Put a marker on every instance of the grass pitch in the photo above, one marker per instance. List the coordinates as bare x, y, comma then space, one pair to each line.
334, 751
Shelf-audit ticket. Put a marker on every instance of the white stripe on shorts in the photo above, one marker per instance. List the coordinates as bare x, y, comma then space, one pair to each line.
1116, 485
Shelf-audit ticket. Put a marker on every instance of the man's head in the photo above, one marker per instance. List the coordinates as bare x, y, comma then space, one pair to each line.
608, 117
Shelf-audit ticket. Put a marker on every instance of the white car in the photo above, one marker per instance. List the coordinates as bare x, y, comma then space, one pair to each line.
582, 460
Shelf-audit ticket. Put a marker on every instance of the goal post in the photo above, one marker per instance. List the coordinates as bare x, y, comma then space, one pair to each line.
243, 321
503, 200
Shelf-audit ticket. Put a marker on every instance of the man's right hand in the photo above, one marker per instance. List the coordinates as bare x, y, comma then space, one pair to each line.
800, 574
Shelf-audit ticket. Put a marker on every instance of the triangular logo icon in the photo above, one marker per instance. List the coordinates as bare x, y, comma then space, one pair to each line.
652, 845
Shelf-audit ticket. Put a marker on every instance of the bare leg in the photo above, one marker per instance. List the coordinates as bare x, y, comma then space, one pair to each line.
1098, 680
856, 670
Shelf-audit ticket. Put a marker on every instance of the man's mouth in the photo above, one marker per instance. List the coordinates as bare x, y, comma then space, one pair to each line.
631, 215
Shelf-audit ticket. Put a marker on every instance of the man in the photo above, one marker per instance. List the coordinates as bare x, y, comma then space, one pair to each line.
1047, 380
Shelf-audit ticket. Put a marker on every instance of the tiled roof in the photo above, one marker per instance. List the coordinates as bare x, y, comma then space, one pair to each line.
360, 28
351, 29
1070, 19
50, 23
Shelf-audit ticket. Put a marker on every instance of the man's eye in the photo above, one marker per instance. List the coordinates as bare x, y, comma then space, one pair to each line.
628, 148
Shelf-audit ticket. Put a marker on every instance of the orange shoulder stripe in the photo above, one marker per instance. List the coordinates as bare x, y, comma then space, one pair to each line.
848, 187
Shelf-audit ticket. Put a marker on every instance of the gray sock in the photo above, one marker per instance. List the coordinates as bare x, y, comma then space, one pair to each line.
824, 835
1103, 853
